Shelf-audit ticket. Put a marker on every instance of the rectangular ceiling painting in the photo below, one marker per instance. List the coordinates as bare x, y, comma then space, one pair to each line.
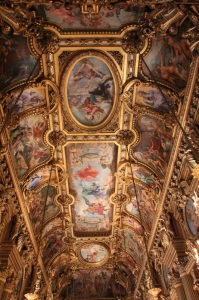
91, 169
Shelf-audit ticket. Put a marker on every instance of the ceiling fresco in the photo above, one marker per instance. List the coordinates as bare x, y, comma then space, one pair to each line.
108, 17
95, 284
92, 167
90, 136
170, 57
90, 91
17, 61
30, 98
155, 143
140, 195
38, 205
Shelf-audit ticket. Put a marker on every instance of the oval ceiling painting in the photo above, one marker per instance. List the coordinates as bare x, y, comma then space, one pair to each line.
93, 253
90, 91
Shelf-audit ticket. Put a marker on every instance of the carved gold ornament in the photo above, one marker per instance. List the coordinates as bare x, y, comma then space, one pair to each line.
195, 171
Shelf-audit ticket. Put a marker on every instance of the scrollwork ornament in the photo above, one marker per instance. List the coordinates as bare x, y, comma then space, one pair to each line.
57, 138
125, 137
65, 200
119, 199
133, 42
3, 149
49, 42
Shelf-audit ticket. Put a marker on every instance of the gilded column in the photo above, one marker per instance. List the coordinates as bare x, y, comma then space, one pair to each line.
180, 291
2, 281
187, 282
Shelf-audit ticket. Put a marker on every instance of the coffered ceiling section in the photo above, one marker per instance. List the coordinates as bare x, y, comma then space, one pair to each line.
87, 95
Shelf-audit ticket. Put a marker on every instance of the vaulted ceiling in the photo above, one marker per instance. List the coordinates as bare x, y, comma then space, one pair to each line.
89, 95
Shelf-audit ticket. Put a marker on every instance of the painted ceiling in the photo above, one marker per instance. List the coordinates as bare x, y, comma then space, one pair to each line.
91, 133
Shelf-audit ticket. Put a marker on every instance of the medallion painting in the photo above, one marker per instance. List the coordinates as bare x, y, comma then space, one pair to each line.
146, 201
152, 97
28, 99
95, 284
27, 144
155, 143
37, 206
91, 167
16, 61
90, 91
169, 59
93, 253
192, 218
107, 18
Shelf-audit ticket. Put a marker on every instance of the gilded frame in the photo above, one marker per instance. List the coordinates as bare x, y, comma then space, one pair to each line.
64, 83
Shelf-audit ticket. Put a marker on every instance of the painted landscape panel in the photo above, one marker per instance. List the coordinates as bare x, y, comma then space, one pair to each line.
91, 167
142, 174
133, 246
96, 284
155, 144
53, 246
27, 144
90, 91
16, 61
133, 224
107, 18
37, 206
152, 97
170, 59
29, 98
43, 175
146, 205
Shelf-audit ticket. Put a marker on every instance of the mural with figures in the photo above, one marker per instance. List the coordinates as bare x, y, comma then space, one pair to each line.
142, 174
91, 167
61, 271
54, 245
51, 225
107, 18
93, 284
133, 246
152, 97
125, 272
133, 224
155, 143
93, 253
16, 61
191, 216
169, 58
37, 206
43, 175
28, 99
90, 91
128, 259
145, 198
27, 145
